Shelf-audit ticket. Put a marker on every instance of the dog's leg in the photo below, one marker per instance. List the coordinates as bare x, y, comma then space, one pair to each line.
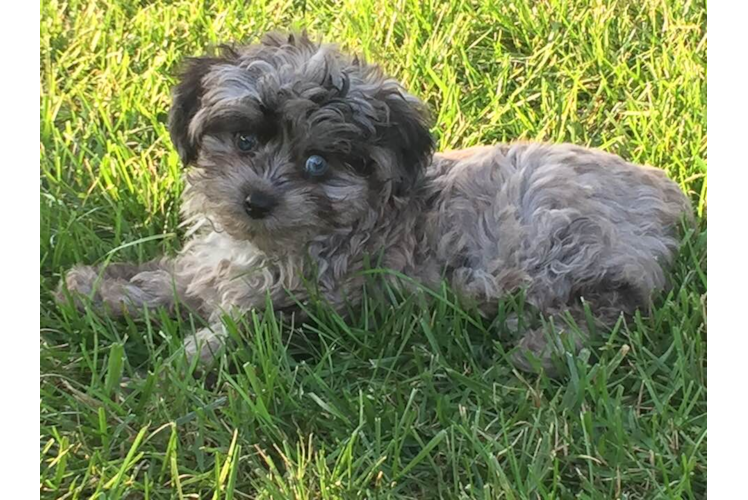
607, 303
123, 288
206, 344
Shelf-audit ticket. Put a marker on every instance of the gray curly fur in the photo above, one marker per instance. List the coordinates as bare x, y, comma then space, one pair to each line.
564, 223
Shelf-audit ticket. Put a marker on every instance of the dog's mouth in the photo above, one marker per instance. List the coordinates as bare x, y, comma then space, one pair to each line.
267, 227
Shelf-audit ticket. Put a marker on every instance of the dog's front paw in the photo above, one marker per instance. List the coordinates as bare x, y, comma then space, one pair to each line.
79, 281
205, 344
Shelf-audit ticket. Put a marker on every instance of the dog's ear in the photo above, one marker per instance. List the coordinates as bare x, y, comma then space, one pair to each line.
186, 98
407, 134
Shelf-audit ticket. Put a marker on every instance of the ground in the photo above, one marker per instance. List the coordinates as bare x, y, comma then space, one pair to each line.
414, 401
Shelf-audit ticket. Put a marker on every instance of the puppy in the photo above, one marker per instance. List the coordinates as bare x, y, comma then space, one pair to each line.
305, 163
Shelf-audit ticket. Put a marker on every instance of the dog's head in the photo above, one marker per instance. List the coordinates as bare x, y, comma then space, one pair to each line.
289, 139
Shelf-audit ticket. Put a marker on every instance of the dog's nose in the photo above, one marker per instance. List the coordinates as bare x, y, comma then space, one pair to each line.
259, 204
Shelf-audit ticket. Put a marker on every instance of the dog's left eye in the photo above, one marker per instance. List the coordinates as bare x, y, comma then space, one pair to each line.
246, 142
316, 166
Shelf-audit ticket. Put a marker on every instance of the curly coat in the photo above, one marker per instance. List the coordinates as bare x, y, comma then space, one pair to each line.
565, 224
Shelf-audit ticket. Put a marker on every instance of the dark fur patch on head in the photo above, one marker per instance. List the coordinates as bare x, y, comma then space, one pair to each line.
407, 133
186, 99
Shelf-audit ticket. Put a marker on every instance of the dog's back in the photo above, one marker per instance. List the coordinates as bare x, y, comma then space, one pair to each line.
562, 220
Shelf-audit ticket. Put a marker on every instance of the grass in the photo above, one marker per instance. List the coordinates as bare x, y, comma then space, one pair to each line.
414, 401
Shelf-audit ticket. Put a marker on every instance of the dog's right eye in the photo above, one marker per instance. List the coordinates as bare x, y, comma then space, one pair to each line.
246, 142
316, 166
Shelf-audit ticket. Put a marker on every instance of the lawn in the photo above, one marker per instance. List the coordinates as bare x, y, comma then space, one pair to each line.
413, 401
